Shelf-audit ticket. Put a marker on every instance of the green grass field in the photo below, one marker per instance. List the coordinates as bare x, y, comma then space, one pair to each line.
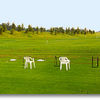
46, 78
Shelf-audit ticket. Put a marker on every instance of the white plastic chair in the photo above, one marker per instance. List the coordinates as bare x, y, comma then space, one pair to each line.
30, 61
64, 60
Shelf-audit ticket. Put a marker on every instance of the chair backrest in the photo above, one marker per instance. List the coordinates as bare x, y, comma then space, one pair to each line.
28, 59
32, 59
63, 59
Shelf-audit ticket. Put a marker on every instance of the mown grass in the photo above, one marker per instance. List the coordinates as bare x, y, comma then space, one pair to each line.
47, 78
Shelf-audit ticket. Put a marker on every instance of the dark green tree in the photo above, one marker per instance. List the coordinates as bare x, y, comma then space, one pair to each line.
41, 29
69, 30
22, 26
78, 30
26, 30
8, 26
72, 31
44, 29
82, 31
19, 28
85, 31
37, 30
90, 31
13, 26
51, 30
4, 27
1, 30
60, 30
93, 32
66, 30
55, 30
30, 28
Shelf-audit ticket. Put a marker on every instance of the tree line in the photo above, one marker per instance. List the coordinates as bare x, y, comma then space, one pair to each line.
54, 30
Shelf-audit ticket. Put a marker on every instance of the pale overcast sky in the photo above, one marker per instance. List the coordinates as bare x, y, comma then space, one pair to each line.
48, 13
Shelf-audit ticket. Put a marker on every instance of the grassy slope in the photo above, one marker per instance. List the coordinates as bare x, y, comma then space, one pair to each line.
46, 78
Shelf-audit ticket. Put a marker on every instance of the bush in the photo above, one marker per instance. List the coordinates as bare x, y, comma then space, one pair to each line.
12, 31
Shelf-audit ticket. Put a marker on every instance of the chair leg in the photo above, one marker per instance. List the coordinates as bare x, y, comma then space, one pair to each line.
69, 65
25, 66
60, 66
34, 64
30, 65
66, 67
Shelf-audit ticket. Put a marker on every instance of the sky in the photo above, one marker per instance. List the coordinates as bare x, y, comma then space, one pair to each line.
52, 13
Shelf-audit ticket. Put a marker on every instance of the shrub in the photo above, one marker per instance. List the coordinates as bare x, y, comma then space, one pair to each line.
12, 31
